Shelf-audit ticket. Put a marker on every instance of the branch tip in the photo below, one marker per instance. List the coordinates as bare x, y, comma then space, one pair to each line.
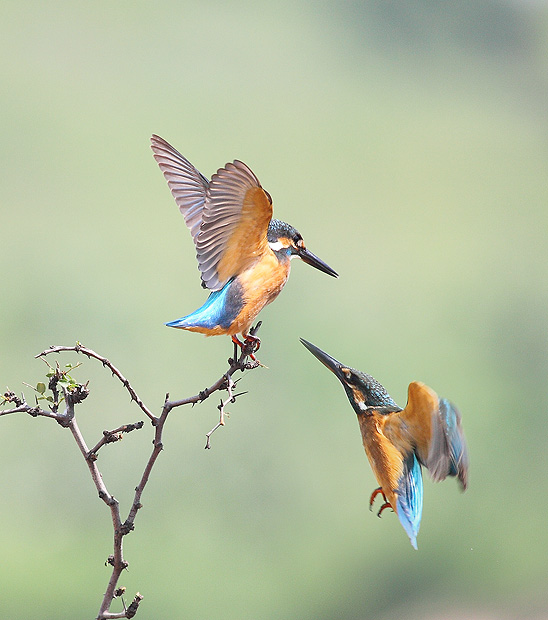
134, 605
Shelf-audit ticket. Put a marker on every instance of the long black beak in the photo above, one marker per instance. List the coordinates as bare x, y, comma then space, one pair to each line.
312, 259
328, 361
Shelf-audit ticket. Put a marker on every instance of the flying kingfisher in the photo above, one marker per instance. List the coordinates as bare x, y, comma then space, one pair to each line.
398, 441
243, 254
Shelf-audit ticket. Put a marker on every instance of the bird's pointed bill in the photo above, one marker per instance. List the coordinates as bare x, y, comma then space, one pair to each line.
311, 259
326, 359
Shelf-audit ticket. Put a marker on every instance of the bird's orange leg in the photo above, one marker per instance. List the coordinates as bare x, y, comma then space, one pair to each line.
237, 341
386, 504
249, 346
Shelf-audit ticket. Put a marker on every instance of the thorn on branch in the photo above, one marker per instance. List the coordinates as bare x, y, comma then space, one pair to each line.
229, 384
238, 394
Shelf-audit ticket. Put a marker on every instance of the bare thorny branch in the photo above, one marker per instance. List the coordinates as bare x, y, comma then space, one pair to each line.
74, 393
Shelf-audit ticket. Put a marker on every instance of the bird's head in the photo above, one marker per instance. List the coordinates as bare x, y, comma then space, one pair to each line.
363, 390
287, 243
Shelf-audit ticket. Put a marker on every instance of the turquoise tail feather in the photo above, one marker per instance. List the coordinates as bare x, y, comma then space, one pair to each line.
409, 501
219, 310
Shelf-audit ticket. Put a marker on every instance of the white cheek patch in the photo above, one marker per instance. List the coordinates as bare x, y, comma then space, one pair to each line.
275, 246
358, 398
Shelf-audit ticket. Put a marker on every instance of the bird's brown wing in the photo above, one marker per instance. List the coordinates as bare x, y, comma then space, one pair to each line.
187, 184
234, 225
432, 427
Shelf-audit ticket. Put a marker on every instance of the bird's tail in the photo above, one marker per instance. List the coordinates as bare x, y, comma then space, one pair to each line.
219, 310
409, 502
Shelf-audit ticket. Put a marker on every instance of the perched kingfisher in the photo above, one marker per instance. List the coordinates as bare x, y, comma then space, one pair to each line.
243, 254
398, 441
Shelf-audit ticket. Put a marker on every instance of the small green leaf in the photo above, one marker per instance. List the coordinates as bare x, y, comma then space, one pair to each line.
40, 387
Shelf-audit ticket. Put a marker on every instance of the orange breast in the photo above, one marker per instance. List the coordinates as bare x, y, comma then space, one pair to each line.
261, 284
385, 459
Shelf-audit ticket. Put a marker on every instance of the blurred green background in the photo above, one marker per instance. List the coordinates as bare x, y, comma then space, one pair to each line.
408, 142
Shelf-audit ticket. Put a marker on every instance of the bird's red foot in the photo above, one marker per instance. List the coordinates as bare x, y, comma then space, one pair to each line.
249, 346
385, 505
253, 342
379, 491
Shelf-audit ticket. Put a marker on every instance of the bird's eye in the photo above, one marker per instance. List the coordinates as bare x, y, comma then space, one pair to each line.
299, 243
347, 373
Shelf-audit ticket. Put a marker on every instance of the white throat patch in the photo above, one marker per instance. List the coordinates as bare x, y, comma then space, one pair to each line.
275, 246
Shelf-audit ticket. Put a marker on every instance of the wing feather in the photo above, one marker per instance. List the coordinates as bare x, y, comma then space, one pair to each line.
187, 184
235, 221
432, 427
448, 454
228, 217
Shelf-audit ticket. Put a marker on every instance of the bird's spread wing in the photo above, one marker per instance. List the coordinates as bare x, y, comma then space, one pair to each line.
227, 217
448, 454
188, 185
432, 428
234, 225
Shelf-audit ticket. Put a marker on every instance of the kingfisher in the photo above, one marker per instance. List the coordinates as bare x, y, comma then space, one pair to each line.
427, 432
244, 255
